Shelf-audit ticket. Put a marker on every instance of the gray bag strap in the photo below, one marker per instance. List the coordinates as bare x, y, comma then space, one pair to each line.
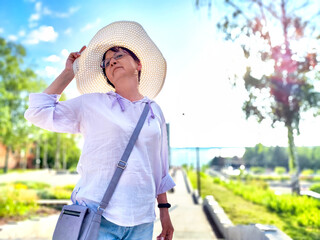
123, 162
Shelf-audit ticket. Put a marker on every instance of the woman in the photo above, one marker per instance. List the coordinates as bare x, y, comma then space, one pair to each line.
118, 73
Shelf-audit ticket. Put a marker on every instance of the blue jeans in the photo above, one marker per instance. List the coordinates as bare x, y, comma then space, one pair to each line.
111, 231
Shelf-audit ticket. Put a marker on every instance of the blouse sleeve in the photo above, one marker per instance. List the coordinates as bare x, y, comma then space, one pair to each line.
166, 182
45, 111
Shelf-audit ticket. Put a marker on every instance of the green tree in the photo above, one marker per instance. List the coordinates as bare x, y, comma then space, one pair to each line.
255, 156
64, 157
316, 158
279, 157
271, 33
15, 83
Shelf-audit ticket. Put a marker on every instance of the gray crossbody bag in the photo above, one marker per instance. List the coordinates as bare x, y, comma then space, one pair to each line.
78, 222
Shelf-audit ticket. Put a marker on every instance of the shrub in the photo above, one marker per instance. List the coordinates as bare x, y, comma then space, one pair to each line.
312, 219
280, 170
33, 185
315, 187
216, 180
17, 202
307, 172
62, 193
258, 192
257, 170
56, 192
69, 187
73, 169
46, 194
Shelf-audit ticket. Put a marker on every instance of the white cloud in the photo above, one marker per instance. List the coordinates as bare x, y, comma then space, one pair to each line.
51, 71
48, 72
68, 31
65, 53
33, 24
43, 33
38, 6
90, 25
12, 38
55, 59
34, 17
1, 30
67, 14
22, 33
45, 11
73, 9
52, 58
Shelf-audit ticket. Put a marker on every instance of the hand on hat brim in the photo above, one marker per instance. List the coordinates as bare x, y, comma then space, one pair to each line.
72, 57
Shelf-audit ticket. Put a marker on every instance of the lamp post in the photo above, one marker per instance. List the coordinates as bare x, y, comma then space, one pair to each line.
168, 139
198, 171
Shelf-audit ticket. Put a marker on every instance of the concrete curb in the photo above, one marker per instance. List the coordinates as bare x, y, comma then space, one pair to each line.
217, 214
240, 232
187, 181
194, 192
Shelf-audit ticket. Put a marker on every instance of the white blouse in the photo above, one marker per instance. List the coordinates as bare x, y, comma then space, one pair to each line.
107, 120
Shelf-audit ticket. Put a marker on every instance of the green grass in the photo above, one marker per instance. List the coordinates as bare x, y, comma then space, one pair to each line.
279, 177
242, 211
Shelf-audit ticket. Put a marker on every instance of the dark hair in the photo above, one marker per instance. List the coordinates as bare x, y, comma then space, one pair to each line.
117, 49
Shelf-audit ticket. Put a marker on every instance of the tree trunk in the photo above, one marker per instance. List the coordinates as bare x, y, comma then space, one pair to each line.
45, 154
23, 164
6, 160
293, 163
20, 157
57, 157
64, 157
38, 154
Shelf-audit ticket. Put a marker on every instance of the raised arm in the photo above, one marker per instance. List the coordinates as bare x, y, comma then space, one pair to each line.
47, 112
63, 80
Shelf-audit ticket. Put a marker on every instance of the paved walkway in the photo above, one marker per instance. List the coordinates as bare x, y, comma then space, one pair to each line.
188, 219
44, 175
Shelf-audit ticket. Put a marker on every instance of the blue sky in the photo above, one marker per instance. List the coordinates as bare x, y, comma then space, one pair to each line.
197, 99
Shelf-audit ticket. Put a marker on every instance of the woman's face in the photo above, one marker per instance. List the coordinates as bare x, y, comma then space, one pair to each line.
121, 66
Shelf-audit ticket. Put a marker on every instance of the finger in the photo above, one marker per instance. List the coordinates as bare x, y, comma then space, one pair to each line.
162, 236
71, 58
74, 55
168, 236
82, 49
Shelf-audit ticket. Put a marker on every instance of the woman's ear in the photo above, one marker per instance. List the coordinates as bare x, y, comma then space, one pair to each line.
139, 66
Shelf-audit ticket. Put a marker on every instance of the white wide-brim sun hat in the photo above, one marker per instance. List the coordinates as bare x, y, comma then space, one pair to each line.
89, 75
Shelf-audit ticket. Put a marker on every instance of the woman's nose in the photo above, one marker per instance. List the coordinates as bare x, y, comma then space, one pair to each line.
113, 61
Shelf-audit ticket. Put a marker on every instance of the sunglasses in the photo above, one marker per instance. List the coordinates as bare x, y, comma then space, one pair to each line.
118, 55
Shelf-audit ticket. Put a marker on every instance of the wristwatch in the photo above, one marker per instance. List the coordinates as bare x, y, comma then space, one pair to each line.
164, 205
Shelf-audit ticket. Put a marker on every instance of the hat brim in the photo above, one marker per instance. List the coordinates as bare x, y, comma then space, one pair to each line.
89, 75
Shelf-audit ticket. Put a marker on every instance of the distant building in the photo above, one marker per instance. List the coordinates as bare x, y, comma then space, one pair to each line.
220, 162
16, 158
